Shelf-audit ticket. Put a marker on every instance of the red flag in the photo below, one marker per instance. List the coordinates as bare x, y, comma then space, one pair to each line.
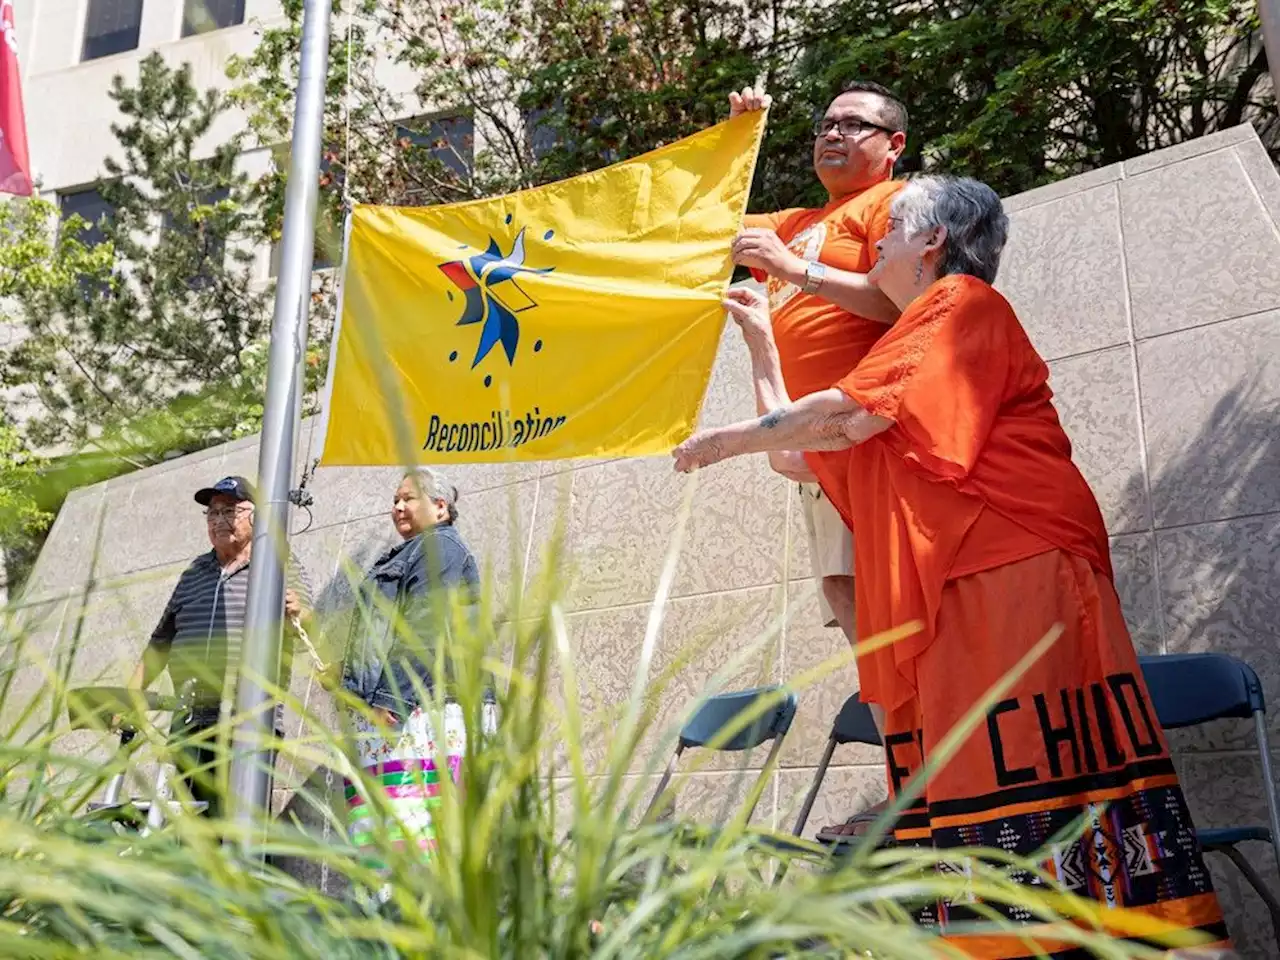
15, 161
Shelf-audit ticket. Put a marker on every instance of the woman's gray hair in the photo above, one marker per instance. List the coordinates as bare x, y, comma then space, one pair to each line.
977, 227
432, 485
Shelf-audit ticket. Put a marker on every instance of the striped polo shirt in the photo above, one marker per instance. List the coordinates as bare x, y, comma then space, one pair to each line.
202, 627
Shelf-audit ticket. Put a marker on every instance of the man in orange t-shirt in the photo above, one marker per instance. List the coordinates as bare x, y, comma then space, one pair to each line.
826, 316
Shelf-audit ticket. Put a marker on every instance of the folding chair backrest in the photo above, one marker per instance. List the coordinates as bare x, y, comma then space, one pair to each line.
711, 724
716, 716
854, 724
1193, 688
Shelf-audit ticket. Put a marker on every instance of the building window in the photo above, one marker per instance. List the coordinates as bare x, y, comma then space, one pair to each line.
111, 27
327, 250
210, 248
543, 137
201, 16
450, 140
92, 208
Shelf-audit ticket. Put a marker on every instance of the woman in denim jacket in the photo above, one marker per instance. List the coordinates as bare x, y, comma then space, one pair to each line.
402, 614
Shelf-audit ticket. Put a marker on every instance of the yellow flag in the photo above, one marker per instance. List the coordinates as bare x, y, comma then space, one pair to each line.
578, 319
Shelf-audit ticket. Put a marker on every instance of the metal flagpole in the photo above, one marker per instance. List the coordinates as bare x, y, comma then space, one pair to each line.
1269, 13
250, 774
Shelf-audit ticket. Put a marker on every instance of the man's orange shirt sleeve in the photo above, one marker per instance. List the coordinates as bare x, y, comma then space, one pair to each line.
876, 224
851, 245
767, 221
869, 222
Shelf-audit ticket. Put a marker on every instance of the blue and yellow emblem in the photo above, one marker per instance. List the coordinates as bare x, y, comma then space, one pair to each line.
490, 282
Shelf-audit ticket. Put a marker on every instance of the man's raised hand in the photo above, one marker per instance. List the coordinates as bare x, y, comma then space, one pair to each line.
762, 249
751, 98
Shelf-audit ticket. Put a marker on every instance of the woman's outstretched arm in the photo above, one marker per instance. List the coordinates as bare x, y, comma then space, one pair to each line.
828, 420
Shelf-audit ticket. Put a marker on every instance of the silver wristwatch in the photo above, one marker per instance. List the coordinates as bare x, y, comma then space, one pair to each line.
814, 273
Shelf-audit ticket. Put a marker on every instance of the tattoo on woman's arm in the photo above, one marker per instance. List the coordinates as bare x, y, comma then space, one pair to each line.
773, 418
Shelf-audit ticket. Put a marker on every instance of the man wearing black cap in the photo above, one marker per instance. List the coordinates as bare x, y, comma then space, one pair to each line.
199, 634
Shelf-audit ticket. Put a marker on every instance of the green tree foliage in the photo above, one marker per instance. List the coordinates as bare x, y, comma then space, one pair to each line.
671, 66
1019, 93
357, 110
493, 96
37, 261
21, 516
36, 258
1030, 91
157, 330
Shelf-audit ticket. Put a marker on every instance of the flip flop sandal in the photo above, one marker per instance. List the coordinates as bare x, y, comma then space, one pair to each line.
836, 834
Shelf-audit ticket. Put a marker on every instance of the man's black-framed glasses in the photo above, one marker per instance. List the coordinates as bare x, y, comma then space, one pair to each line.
227, 514
847, 127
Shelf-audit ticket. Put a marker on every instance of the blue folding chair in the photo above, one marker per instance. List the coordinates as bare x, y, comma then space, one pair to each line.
707, 728
1193, 688
853, 724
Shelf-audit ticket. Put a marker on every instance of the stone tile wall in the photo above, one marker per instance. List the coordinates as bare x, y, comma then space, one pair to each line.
1152, 288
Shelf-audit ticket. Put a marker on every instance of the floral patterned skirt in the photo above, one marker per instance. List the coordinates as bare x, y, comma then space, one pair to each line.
403, 764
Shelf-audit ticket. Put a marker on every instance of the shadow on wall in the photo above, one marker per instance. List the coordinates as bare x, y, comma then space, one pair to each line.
339, 593
1204, 579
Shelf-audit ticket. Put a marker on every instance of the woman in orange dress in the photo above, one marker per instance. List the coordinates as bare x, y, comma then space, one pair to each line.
944, 453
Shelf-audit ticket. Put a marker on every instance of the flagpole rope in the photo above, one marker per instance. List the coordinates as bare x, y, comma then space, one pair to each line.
346, 159
309, 470
318, 665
